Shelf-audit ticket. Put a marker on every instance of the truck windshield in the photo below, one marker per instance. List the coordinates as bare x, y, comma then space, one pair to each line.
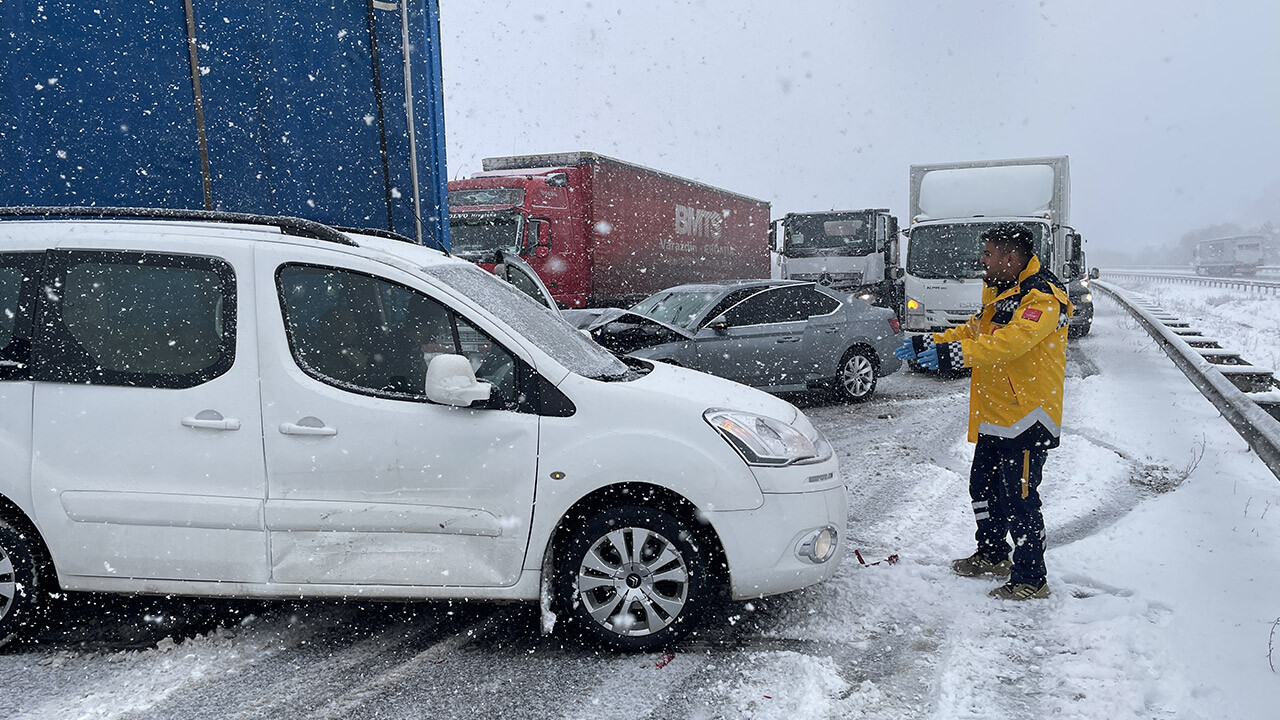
677, 308
539, 325
849, 233
952, 250
477, 235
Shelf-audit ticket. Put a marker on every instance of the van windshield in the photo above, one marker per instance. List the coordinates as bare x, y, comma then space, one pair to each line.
952, 250
539, 325
475, 236
849, 234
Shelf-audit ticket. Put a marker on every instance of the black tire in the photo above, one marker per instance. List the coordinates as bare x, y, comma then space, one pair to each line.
1079, 331
857, 376
22, 570
625, 607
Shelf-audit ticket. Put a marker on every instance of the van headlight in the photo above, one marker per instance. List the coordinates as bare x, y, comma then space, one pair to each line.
762, 440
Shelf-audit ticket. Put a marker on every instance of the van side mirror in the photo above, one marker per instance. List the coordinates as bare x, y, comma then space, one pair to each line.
1094, 274
451, 381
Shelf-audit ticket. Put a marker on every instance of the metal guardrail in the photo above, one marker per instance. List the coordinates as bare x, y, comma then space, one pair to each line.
1255, 425
1234, 283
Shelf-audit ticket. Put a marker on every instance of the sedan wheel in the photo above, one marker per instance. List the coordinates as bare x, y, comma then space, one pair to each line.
631, 578
856, 379
20, 595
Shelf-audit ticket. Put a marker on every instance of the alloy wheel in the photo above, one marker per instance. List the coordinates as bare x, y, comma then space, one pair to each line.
857, 376
633, 581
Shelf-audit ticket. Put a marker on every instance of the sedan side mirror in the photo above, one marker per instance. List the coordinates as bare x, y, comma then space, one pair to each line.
720, 324
451, 381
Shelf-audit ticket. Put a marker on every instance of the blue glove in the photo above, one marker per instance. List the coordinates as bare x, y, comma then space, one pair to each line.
929, 358
905, 351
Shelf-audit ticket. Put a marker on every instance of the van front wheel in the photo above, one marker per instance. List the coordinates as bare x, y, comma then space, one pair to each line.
632, 578
21, 598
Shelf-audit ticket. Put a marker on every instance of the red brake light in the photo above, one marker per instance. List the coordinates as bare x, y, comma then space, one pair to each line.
893, 323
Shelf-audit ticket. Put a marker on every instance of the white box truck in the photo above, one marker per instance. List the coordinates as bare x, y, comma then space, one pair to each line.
952, 204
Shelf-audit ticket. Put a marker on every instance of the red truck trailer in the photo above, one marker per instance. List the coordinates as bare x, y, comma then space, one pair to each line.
602, 232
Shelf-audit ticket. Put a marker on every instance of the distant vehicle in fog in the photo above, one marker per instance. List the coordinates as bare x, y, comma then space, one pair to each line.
1238, 255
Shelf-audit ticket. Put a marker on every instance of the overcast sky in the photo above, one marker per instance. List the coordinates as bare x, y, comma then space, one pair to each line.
1169, 110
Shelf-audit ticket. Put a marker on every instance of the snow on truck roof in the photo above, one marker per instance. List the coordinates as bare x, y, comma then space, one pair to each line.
1014, 190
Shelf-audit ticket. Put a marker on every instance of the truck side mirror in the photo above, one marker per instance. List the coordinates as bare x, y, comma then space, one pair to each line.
541, 251
1094, 274
897, 273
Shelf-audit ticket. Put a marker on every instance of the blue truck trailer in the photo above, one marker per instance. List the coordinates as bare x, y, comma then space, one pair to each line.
332, 111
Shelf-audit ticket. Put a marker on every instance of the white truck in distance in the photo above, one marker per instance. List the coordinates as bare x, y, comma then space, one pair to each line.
852, 251
952, 204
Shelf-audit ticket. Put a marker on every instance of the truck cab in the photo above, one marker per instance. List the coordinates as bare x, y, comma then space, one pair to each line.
852, 251
515, 213
942, 286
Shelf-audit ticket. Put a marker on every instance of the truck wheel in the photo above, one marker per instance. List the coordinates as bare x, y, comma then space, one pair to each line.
1079, 331
632, 578
856, 378
21, 565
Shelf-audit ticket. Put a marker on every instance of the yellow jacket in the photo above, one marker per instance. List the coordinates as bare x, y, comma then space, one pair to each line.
1017, 347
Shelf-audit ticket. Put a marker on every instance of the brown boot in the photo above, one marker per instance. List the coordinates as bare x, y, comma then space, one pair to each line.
1021, 591
978, 565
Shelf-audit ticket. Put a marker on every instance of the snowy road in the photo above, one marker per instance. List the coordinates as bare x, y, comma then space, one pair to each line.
1163, 530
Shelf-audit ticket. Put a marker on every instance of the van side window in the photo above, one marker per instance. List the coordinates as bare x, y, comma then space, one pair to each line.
136, 319
18, 272
369, 335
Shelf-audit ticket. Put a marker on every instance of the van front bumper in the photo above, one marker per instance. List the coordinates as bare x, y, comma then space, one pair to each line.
775, 548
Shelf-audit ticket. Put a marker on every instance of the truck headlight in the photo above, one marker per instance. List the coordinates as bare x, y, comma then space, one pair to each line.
761, 440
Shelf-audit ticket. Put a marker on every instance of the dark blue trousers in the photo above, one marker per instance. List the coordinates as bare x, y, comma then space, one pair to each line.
1004, 486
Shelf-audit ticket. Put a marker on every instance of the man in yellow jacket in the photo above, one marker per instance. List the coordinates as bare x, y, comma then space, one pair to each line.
1017, 348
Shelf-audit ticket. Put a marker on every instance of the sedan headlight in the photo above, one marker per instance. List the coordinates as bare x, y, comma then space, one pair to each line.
762, 440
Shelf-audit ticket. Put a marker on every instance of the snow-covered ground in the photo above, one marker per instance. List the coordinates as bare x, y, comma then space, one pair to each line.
1164, 531
1245, 321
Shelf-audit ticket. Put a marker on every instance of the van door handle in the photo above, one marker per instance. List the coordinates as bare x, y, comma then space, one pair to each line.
307, 426
218, 423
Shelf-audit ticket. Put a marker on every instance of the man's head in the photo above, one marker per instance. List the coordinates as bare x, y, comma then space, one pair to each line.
1007, 249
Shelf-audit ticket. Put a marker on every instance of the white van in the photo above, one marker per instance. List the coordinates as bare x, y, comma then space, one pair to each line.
214, 404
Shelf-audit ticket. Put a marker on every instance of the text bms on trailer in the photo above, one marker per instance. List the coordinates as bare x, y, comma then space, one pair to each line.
601, 231
952, 204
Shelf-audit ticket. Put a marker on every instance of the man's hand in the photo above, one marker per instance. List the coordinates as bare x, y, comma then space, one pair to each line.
929, 358
906, 351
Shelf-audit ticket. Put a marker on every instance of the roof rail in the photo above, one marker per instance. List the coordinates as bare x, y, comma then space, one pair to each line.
287, 225
377, 232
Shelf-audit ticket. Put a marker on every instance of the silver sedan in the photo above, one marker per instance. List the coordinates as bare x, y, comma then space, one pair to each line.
776, 335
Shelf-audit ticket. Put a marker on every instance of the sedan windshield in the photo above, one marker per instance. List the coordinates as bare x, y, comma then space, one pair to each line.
477, 235
676, 307
539, 325
952, 250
